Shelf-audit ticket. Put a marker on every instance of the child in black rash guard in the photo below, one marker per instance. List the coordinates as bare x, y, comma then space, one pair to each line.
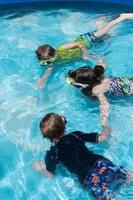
94, 171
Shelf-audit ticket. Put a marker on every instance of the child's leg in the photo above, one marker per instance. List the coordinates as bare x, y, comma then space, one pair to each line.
131, 88
101, 22
130, 177
112, 23
108, 197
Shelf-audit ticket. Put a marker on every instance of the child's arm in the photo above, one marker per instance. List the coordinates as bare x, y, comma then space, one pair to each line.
45, 76
111, 24
76, 44
41, 167
104, 110
104, 106
92, 137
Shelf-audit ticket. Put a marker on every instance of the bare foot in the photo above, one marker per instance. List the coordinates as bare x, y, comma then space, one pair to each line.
127, 15
130, 177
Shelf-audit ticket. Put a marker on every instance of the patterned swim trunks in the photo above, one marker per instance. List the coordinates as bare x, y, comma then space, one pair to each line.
105, 179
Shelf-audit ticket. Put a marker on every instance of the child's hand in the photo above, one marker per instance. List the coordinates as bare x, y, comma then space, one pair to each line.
85, 56
39, 166
107, 130
102, 137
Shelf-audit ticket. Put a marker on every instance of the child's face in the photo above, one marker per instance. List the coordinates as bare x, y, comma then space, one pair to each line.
50, 61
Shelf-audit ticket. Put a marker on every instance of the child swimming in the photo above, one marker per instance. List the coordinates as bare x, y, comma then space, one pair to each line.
95, 172
93, 83
50, 56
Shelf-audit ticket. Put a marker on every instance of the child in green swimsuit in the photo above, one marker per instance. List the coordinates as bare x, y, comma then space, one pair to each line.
49, 56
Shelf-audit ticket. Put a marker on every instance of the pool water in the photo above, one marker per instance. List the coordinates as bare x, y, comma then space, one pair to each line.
22, 29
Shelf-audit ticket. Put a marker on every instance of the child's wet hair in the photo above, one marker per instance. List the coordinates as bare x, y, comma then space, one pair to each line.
98, 71
45, 52
52, 126
88, 75
81, 75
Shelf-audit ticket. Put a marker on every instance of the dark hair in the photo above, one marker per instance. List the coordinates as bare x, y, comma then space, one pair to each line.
88, 75
52, 126
45, 52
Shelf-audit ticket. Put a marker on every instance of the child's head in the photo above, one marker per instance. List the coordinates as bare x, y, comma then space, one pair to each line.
53, 126
45, 52
82, 75
87, 77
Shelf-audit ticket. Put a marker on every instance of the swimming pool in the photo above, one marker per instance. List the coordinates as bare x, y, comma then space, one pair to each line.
23, 28
128, 2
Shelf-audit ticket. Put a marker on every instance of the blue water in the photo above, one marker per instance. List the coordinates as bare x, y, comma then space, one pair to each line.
22, 29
